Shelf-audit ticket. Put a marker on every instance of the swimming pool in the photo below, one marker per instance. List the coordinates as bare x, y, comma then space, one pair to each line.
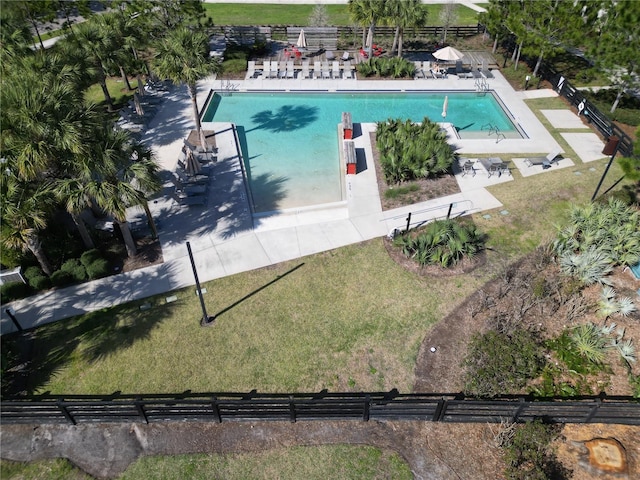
290, 145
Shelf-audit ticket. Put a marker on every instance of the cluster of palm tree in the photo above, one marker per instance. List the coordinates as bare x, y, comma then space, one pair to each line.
401, 14
410, 151
442, 242
61, 154
597, 237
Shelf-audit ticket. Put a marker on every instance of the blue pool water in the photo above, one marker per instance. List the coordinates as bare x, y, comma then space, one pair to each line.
290, 144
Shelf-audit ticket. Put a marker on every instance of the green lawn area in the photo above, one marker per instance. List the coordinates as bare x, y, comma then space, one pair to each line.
117, 89
348, 462
278, 14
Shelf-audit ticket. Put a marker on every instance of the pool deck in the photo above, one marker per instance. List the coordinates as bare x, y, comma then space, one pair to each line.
226, 239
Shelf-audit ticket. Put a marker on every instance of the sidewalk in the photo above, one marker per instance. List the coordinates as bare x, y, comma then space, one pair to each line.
226, 240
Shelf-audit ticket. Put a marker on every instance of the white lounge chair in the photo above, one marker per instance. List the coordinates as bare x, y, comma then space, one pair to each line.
544, 161
347, 72
335, 69
251, 69
291, 73
326, 73
317, 70
419, 72
273, 73
282, 69
330, 56
345, 56
304, 73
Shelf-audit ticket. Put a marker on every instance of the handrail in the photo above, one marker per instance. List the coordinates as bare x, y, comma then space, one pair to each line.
243, 169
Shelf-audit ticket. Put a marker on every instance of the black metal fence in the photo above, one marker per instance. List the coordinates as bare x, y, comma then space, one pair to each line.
225, 407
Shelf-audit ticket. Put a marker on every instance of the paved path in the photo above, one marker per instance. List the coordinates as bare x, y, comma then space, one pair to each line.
226, 240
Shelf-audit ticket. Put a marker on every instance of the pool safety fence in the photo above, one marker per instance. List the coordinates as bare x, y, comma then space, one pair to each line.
253, 406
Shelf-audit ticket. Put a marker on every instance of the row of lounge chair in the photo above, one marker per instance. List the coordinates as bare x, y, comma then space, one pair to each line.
427, 70
496, 166
191, 181
287, 69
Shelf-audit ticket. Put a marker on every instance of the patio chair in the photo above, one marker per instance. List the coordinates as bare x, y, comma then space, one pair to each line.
544, 161
346, 69
317, 70
345, 56
291, 73
187, 189
335, 69
282, 69
190, 200
197, 179
330, 56
305, 70
273, 72
467, 167
251, 69
326, 73
419, 73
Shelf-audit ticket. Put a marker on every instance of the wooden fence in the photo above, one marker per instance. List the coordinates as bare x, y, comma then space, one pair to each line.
225, 407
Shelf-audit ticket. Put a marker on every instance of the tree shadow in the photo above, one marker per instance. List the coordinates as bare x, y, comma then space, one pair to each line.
46, 350
286, 119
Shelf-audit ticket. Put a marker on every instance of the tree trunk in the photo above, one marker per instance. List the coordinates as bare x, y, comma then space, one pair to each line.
140, 85
35, 246
150, 220
400, 42
518, 50
617, 100
129, 242
495, 45
136, 101
103, 84
125, 79
395, 41
196, 115
84, 232
538, 63
364, 38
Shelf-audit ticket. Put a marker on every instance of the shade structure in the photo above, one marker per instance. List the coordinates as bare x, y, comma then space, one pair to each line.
192, 166
448, 53
444, 106
302, 39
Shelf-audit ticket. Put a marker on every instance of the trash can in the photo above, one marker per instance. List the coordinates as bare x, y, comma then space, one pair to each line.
611, 146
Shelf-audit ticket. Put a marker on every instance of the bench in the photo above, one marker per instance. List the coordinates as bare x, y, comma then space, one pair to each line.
347, 125
350, 156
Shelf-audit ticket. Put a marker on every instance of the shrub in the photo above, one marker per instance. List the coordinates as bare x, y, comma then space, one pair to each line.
31, 272
393, 67
40, 283
90, 256
60, 278
529, 456
442, 242
410, 150
12, 291
76, 269
98, 269
497, 363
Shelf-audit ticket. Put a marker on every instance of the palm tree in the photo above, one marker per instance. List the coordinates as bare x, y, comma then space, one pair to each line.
367, 13
183, 57
23, 215
404, 14
126, 174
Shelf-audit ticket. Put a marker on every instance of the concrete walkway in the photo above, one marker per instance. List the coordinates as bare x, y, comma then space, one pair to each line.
226, 239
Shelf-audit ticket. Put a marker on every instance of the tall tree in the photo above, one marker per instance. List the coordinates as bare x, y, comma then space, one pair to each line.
615, 46
404, 14
183, 57
367, 13
448, 17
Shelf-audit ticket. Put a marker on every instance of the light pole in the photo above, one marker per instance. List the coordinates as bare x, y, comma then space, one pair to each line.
206, 320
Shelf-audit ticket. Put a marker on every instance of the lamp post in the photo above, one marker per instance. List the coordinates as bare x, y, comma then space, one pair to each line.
612, 143
206, 319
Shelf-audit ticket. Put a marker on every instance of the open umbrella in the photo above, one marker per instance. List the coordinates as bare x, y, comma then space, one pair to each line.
444, 106
302, 40
448, 53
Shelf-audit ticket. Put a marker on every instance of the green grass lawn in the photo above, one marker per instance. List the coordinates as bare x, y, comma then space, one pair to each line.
278, 14
348, 462
117, 89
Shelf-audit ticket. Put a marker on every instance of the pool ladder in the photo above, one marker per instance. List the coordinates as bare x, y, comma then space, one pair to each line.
494, 129
227, 87
482, 86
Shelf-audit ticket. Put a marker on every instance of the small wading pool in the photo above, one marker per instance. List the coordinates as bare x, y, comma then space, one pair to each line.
289, 140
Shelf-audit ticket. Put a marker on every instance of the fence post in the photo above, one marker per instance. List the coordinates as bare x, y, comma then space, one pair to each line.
216, 409
449, 211
594, 410
408, 223
65, 411
140, 409
367, 408
516, 414
440, 410
292, 410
